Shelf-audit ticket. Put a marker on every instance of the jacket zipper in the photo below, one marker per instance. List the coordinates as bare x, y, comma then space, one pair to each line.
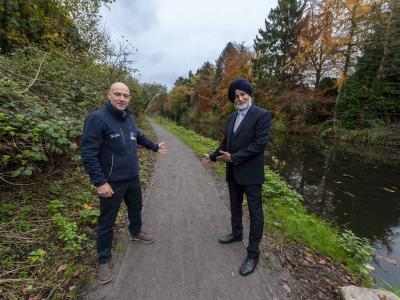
123, 139
112, 164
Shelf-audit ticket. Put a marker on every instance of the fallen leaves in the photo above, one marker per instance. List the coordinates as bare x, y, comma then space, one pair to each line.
322, 262
287, 289
87, 206
369, 267
72, 287
347, 175
389, 260
277, 224
351, 195
62, 268
318, 277
32, 297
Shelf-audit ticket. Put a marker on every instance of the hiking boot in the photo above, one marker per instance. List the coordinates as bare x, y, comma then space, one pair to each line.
104, 273
142, 237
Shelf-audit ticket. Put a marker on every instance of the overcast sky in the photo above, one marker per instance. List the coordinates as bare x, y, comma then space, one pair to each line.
175, 36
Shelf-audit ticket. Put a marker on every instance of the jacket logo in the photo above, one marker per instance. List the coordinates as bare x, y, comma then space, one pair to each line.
115, 135
133, 136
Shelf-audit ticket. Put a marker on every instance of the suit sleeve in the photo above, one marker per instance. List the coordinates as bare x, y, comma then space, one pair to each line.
91, 142
257, 146
144, 141
222, 146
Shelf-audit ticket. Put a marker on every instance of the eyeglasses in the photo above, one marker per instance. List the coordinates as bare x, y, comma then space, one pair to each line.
124, 96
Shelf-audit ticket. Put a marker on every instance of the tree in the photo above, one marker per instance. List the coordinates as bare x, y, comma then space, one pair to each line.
44, 23
351, 23
179, 101
202, 89
318, 45
234, 61
85, 15
185, 80
277, 46
159, 105
371, 94
150, 91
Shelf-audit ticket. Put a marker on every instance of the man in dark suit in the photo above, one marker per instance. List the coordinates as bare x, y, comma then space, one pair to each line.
246, 135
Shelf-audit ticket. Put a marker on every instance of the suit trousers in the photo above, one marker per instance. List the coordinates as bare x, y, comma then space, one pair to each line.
131, 192
254, 202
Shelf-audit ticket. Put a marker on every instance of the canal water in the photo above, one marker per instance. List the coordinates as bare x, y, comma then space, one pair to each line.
352, 185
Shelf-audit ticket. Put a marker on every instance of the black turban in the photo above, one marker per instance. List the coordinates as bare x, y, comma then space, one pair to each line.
239, 84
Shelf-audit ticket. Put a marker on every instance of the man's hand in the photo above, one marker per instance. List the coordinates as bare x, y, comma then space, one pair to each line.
105, 190
225, 156
162, 149
205, 160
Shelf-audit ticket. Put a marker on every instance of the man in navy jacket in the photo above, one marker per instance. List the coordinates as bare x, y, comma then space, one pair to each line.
246, 135
109, 155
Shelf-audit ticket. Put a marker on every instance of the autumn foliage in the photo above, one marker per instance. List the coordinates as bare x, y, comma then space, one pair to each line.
331, 63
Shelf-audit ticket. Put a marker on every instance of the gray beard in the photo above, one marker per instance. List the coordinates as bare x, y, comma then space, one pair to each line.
243, 107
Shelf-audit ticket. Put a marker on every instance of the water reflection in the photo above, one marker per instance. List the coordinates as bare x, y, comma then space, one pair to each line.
353, 186
342, 186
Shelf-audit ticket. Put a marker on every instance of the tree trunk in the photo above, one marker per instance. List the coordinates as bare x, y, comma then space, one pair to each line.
347, 55
4, 45
386, 42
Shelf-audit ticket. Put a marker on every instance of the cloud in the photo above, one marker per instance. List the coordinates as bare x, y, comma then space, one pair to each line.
130, 17
175, 36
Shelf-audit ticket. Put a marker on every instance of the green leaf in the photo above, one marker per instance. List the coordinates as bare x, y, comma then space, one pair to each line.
17, 172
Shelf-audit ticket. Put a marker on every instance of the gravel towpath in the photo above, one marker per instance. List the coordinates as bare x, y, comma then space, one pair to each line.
186, 212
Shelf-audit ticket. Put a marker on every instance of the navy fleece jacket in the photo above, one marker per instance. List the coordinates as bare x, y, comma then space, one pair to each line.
109, 145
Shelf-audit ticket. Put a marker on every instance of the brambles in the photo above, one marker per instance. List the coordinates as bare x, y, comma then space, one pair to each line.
34, 131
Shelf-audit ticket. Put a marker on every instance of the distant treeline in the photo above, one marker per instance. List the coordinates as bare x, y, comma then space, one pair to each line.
330, 63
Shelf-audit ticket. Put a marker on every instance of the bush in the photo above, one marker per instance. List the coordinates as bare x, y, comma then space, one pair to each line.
40, 124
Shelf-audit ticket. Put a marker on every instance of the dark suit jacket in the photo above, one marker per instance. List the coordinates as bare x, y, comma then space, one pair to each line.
246, 146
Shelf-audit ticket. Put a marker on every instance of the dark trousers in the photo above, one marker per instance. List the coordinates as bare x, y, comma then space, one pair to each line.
254, 202
131, 192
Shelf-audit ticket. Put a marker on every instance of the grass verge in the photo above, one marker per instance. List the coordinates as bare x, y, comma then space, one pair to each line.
286, 218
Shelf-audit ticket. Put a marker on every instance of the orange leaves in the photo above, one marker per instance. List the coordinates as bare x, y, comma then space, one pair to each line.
62, 268
87, 206
234, 61
206, 94
329, 40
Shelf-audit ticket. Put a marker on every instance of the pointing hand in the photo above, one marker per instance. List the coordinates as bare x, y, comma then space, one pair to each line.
205, 160
225, 156
162, 149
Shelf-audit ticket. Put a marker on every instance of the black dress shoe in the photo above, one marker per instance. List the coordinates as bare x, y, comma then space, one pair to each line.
248, 266
226, 239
